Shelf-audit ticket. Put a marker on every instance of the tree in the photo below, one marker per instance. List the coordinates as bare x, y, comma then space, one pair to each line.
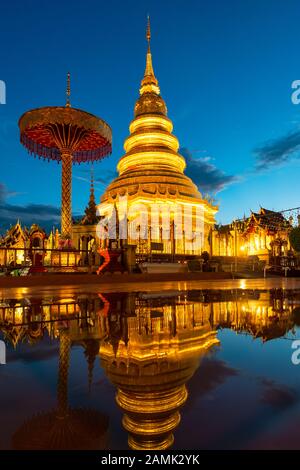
91, 213
294, 237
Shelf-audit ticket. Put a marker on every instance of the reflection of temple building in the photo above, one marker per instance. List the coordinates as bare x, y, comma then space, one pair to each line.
149, 346
264, 234
28, 320
267, 317
120, 319
151, 177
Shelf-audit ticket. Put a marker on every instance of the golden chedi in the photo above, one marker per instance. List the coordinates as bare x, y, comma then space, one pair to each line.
152, 170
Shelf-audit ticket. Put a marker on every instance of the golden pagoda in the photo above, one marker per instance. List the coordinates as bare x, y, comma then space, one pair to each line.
151, 173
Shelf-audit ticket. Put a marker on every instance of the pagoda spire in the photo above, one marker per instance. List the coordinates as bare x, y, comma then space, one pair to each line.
92, 190
149, 67
91, 217
149, 82
148, 32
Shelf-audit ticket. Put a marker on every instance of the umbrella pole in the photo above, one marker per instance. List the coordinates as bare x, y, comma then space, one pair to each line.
64, 361
66, 194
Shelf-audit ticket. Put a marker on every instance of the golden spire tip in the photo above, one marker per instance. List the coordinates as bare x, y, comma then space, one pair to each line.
149, 81
68, 91
148, 31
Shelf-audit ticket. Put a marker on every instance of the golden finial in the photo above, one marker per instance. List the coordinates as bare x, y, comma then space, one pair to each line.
149, 68
68, 92
148, 31
149, 82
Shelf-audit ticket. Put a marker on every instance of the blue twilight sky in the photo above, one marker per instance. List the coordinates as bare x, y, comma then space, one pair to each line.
225, 70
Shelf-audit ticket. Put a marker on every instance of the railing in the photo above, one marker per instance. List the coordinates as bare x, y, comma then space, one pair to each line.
11, 258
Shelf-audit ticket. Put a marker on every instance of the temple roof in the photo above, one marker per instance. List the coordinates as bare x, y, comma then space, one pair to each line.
268, 220
16, 234
265, 219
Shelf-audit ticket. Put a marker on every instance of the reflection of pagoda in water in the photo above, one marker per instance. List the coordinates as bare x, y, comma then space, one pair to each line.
150, 370
152, 350
150, 346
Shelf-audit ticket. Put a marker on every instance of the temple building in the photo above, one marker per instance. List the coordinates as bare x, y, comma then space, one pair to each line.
20, 243
152, 181
264, 234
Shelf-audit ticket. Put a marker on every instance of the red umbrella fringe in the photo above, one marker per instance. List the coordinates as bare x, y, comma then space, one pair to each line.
52, 153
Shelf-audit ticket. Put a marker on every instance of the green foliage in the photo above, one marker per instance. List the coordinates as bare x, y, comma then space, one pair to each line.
205, 256
91, 217
295, 238
90, 213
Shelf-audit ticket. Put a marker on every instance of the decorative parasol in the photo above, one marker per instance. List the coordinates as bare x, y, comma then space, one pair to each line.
69, 135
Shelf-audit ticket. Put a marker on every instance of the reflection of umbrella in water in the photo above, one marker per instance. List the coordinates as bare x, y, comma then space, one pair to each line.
63, 428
